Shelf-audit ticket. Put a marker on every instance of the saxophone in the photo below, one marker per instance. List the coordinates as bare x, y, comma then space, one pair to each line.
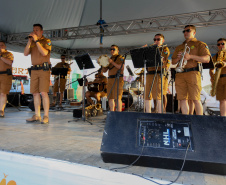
218, 65
97, 106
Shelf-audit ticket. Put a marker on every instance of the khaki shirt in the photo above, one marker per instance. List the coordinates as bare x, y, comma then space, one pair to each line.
223, 71
198, 48
36, 56
112, 69
62, 65
166, 63
101, 79
3, 65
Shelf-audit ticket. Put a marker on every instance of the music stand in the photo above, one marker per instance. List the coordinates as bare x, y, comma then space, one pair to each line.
84, 62
60, 71
145, 57
209, 65
80, 81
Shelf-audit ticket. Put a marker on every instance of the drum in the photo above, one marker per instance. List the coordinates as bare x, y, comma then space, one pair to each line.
126, 85
136, 86
129, 98
103, 60
141, 79
96, 87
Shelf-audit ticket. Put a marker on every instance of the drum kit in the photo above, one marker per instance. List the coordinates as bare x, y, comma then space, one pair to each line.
134, 92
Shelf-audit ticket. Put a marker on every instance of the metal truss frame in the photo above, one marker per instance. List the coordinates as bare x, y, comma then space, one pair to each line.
153, 24
163, 23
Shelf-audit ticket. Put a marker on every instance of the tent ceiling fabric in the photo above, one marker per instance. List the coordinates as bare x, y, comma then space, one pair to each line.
19, 16
122, 10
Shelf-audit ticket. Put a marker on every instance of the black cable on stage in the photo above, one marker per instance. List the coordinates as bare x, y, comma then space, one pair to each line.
133, 161
185, 156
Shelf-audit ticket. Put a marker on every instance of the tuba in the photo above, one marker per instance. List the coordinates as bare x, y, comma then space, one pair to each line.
218, 65
182, 62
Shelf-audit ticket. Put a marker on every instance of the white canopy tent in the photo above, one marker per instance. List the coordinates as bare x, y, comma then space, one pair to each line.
130, 23
18, 17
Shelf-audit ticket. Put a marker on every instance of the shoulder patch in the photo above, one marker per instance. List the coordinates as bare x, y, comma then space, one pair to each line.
49, 42
192, 47
165, 51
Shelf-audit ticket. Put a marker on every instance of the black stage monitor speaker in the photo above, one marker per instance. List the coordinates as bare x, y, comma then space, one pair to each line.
162, 141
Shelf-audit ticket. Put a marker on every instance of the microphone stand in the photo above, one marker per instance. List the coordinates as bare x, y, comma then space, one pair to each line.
83, 96
130, 76
161, 79
81, 78
145, 64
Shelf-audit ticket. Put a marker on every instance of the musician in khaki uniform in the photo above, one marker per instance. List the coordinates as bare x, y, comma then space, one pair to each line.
39, 47
63, 80
116, 62
221, 84
156, 90
188, 83
6, 61
101, 80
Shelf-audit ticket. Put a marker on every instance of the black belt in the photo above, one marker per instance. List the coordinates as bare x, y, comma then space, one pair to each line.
39, 67
191, 69
223, 75
114, 76
3, 72
152, 72
8, 72
36, 67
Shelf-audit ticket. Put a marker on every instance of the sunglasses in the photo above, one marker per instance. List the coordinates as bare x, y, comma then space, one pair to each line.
158, 39
220, 44
112, 49
188, 30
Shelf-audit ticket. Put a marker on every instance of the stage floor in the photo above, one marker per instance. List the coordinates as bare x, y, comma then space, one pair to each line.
77, 142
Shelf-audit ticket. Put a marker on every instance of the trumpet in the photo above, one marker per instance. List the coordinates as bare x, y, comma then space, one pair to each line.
218, 65
182, 62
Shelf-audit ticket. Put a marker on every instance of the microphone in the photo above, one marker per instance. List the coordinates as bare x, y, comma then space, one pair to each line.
129, 71
28, 37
